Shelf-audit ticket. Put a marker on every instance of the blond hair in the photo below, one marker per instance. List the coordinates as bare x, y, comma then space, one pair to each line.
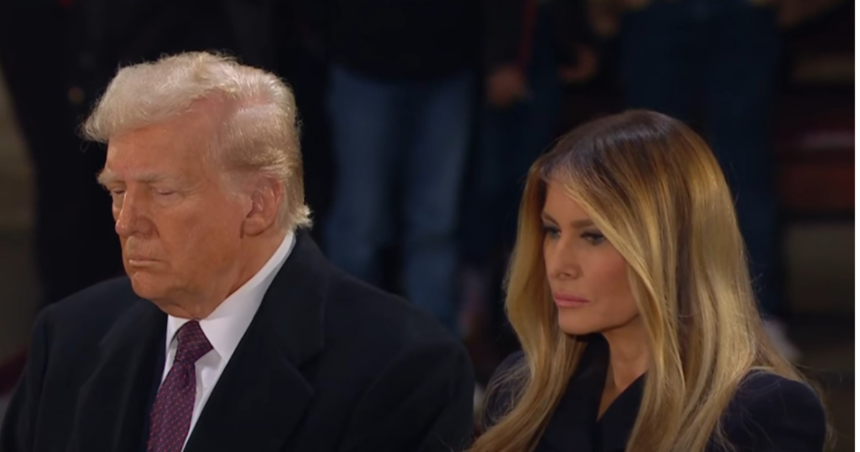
655, 190
260, 132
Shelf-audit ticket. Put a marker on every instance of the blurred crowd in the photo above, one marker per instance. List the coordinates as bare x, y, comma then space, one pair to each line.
420, 119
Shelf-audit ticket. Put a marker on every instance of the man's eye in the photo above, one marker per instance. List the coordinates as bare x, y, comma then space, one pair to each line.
164, 191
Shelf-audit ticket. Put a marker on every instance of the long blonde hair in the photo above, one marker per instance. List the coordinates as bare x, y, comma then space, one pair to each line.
654, 189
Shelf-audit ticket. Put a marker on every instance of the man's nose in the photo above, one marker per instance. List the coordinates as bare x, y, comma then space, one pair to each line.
130, 216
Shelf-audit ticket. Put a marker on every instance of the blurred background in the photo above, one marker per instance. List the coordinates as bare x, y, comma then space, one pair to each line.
420, 119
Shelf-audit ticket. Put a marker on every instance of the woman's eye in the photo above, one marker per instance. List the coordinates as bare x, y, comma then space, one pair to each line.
551, 231
594, 238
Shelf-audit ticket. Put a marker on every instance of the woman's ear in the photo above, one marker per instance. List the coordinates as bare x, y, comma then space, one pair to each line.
265, 206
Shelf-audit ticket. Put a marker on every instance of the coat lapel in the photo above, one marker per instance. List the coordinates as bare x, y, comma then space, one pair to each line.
112, 405
574, 425
617, 422
573, 421
262, 395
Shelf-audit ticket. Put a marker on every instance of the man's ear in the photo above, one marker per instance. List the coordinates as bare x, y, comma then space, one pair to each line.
265, 206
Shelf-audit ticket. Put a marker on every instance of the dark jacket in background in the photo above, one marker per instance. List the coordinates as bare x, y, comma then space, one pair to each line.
420, 39
109, 33
509, 29
404, 39
768, 413
327, 364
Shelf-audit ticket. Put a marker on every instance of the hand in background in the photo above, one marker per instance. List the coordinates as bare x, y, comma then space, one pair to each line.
505, 86
585, 67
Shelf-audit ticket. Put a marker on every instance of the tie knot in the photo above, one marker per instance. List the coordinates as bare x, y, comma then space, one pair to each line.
192, 343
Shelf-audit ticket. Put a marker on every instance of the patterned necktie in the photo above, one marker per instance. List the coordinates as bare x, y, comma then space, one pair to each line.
174, 404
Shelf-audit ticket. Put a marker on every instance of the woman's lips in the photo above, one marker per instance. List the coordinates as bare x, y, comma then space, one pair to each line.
568, 301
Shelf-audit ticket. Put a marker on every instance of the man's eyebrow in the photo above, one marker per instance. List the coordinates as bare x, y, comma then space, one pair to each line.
107, 176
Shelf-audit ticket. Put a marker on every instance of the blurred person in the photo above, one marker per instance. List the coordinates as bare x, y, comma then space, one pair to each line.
301, 59
721, 56
231, 331
71, 216
401, 104
630, 294
57, 56
529, 55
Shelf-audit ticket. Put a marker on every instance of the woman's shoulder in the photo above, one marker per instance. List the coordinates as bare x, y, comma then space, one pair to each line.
502, 389
774, 413
766, 390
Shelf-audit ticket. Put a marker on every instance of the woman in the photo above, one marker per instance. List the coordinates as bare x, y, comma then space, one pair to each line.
629, 292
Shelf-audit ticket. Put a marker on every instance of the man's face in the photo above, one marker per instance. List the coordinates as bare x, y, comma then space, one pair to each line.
180, 229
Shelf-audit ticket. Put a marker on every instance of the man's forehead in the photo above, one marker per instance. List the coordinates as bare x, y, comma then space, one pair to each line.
148, 140
183, 130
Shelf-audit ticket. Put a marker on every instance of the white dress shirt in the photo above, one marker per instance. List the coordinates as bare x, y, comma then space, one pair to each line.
225, 327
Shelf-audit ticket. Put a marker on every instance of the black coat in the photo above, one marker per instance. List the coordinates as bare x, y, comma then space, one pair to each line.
327, 364
768, 413
509, 26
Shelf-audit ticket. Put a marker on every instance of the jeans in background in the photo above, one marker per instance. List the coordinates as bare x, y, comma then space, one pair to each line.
509, 141
400, 150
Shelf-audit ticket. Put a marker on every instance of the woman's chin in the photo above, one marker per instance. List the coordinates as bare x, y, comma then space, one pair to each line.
576, 326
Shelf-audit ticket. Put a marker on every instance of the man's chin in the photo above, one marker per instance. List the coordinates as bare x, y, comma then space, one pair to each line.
146, 286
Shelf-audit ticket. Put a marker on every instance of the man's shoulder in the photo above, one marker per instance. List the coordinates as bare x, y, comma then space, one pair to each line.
367, 316
92, 310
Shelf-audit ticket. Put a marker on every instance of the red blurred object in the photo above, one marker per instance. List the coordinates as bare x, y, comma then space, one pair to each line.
529, 19
11, 371
814, 146
814, 139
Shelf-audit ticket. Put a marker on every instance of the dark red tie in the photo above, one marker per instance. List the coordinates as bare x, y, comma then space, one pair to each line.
174, 404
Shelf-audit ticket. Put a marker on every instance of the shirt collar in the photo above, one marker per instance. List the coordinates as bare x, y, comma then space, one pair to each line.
226, 325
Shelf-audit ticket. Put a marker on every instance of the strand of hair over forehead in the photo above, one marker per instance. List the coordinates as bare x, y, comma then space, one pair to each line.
148, 93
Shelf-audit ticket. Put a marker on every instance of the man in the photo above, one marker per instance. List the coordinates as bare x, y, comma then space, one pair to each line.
57, 56
231, 332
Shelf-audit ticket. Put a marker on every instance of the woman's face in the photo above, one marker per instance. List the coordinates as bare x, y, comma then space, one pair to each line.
587, 275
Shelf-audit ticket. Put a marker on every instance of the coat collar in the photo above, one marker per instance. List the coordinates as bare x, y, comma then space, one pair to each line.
260, 398
574, 424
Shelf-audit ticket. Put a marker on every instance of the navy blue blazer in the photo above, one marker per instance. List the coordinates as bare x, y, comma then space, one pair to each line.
768, 413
